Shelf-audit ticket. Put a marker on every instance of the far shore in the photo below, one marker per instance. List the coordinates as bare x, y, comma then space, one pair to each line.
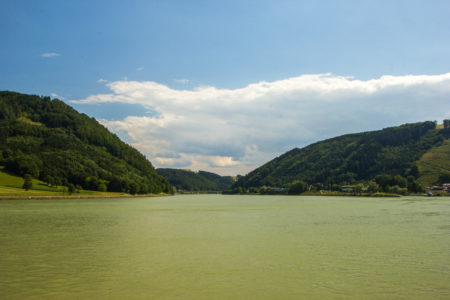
74, 196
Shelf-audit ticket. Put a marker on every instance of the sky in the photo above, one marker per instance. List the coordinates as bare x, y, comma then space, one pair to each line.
226, 86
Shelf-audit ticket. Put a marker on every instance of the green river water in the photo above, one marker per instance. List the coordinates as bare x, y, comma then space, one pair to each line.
226, 247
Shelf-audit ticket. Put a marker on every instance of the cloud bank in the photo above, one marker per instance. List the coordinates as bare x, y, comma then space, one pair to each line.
232, 131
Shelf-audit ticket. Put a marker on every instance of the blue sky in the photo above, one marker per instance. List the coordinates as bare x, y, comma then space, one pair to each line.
223, 85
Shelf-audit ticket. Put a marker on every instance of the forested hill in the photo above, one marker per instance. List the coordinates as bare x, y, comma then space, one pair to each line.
196, 181
351, 158
51, 141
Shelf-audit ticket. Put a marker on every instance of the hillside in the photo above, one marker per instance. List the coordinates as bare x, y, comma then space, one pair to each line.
196, 181
54, 143
352, 158
435, 164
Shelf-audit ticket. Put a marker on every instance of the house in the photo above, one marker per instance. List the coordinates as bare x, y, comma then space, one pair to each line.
436, 188
446, 187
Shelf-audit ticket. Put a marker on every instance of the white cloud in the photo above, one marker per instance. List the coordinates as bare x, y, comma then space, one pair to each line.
233, 131
182, 81
139, 69
101, 80
50, 54
54, 95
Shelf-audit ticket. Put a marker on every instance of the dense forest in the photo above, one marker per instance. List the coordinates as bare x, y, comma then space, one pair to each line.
185, 180
51, 141
386, 157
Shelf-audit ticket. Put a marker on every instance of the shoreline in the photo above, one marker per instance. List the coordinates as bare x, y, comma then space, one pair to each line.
48, 197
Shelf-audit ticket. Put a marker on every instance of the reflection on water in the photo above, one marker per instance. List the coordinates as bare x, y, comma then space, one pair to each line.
225, 247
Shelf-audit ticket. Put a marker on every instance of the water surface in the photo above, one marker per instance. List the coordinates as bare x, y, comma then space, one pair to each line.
226, 247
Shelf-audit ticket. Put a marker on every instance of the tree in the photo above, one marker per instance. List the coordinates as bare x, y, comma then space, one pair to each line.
444, 178
415, 171
102, 187
400, 181
447, 123
71, 188
335, 187
359, 188
49, 180
27, 182
413, 185
383, 180
373, 187
297, 187
134, 188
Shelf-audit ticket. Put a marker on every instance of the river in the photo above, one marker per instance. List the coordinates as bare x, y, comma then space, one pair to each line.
226, 247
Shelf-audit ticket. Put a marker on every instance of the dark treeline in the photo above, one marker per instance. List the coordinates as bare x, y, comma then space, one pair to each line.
51, 141
196, 181
351, 159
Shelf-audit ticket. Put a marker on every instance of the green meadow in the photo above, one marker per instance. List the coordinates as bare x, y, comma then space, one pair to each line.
11, 185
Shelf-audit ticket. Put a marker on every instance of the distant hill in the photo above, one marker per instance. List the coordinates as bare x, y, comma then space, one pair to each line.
359, 157
54, 143
196, 181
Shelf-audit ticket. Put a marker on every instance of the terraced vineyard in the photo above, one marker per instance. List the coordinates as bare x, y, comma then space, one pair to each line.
434, 162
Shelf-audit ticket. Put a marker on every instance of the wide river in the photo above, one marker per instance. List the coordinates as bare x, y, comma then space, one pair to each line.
226, 247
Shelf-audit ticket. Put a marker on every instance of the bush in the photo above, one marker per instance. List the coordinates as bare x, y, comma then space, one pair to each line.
397, 190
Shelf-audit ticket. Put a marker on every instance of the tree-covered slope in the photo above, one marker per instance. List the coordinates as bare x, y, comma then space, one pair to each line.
196, 181
351, 158
53, 142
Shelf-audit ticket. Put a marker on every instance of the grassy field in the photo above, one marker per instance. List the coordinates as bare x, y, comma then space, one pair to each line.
11, 185
434, 162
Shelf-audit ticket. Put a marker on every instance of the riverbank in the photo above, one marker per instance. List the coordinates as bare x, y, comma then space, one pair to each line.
327, 193
343, 194
53, 197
